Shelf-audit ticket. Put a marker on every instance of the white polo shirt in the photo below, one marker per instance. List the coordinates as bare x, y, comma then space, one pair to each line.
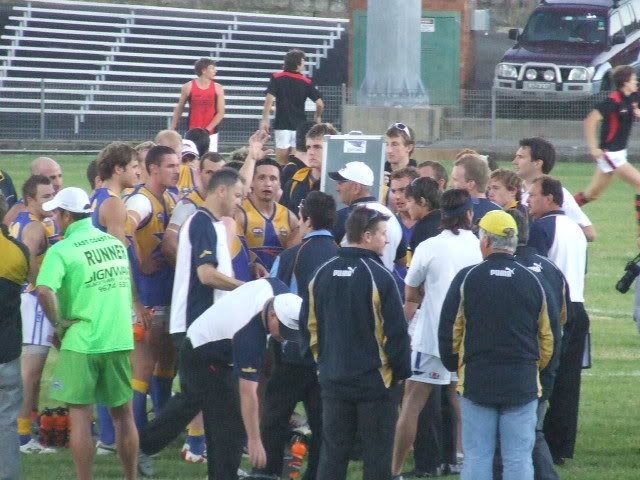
560, 239
435, 263
233, 312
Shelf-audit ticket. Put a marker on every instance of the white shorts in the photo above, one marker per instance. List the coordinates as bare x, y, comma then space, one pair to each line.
213, 143
428, 369
285, 138
612, 160
36, 327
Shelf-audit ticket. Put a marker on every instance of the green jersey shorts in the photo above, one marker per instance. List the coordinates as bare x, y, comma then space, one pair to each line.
90, 378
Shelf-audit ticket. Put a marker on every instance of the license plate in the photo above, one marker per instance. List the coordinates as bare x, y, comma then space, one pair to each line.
539, 86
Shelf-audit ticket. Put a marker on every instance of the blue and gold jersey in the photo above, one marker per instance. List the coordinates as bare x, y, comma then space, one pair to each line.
186, 180
241, 259
25, 218
52, 231
265, 237
154, 289
127, 192
194, 197
99, 196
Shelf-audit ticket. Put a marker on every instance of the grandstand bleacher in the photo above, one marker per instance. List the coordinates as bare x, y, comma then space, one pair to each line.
98, 67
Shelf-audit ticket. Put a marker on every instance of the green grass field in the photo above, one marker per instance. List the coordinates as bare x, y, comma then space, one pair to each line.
608, 442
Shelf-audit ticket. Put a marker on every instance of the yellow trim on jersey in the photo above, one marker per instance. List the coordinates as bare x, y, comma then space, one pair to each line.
255, 225
151, 229
459, 334
186, 179
385, 370
312, 323
15, 263
304, 174
195, 197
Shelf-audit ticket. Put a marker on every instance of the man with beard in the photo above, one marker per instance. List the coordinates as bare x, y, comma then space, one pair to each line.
268, 226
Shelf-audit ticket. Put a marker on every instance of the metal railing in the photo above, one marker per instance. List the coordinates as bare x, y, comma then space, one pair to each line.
486, 120
493, 121
49, 111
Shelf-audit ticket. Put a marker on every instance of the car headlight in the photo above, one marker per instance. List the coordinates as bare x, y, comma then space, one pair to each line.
548, 75
580, 74
530, 74
506, 71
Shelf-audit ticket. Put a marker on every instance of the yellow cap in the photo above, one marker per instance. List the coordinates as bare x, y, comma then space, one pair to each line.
499, 222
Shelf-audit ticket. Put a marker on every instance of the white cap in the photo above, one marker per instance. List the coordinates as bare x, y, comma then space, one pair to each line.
189, 148
71, 199
358, 172
287, 308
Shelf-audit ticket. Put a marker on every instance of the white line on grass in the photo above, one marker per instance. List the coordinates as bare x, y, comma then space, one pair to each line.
634, 373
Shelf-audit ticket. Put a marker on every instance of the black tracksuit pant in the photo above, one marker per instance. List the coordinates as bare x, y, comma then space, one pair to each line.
178, 412
288, 385
372, 421
212, 389
561, 422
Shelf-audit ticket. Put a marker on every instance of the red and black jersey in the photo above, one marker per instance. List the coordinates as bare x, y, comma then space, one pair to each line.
291, 90
202, 105
617, 114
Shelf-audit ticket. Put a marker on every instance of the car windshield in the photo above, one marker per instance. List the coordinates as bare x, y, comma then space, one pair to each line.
554, 26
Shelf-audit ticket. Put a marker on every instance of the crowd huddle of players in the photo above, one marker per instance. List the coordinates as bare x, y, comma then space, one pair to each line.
430, 318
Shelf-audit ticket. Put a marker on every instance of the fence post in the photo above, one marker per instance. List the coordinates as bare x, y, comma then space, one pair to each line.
343, 103
42, 119
493, 115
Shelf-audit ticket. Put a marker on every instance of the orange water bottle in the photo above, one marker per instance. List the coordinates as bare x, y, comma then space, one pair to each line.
139, 332
47, 428
294, 463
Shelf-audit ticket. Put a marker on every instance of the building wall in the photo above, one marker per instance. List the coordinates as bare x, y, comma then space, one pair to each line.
466, 51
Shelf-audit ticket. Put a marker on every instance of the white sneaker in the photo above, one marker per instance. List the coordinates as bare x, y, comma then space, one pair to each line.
34, 446
105, 448
190, 457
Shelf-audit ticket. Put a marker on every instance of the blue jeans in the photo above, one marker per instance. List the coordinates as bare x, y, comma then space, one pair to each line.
480, 427
10, 403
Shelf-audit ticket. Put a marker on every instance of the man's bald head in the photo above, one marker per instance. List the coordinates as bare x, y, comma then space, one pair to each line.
49, 168
171, 139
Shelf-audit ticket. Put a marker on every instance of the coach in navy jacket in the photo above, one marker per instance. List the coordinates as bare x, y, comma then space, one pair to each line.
560, 239
358, 335
495, 331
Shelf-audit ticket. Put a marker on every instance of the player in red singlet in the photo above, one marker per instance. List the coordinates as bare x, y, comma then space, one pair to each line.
206, 101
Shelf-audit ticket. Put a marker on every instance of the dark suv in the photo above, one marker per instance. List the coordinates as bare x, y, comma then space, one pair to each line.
568, 47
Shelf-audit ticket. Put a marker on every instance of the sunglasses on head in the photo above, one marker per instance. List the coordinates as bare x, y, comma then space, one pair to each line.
373, 215
403, 127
